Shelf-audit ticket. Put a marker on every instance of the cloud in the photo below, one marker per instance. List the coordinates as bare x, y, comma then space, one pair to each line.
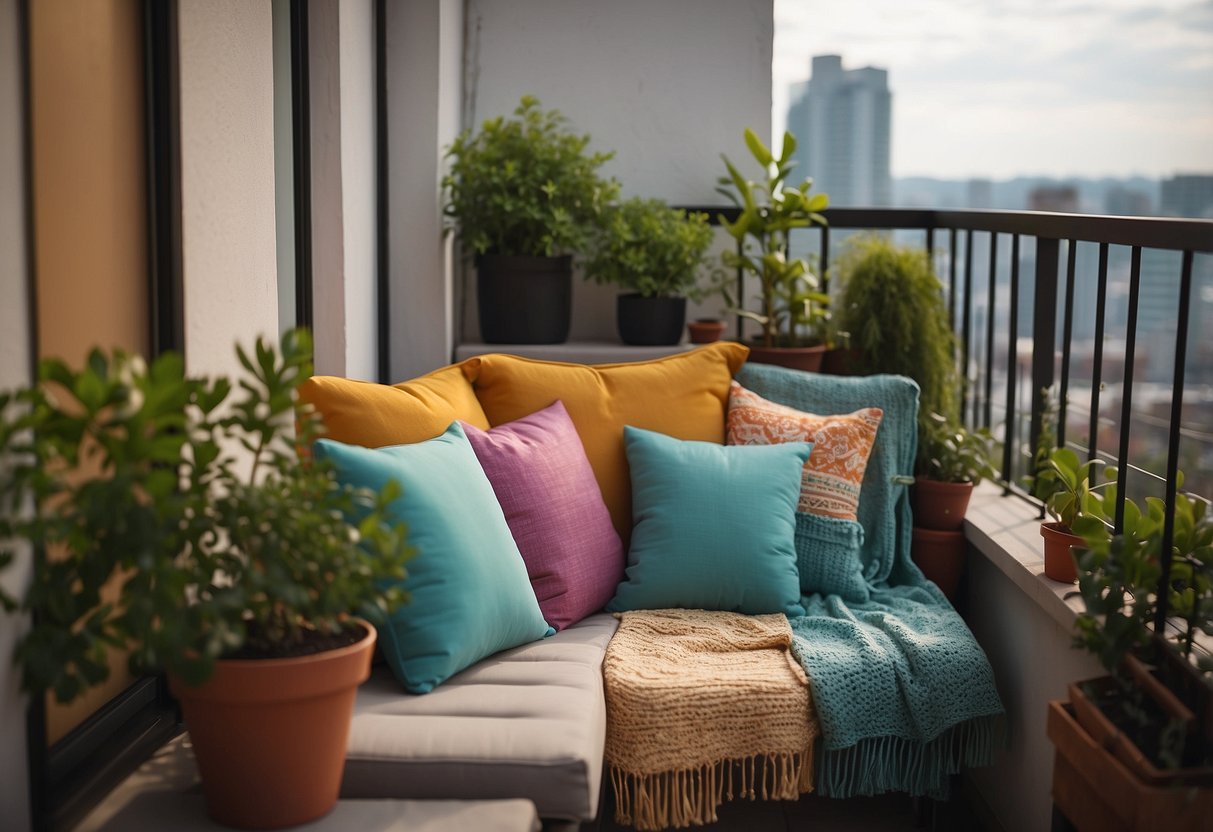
1083, 87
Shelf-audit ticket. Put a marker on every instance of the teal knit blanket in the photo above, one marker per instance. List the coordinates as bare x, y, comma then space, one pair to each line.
904, 694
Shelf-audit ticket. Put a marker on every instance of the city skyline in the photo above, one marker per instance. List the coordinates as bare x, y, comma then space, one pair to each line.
1022, 87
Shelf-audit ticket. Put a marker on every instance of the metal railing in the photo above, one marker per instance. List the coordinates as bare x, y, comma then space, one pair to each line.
1051, 289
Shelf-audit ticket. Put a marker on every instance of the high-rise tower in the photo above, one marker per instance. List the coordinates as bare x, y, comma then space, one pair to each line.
842, 121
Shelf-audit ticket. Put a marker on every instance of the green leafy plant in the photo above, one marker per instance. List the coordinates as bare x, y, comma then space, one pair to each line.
792, 309
525, 186
892, 305
1119, 581
949, 452
649, 248
1064, 483
131, 476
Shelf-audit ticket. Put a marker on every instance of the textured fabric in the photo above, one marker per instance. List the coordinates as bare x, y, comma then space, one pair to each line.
715, 526
681, 395
468, 587
841, 444
904, 694
529, 722
827, 557
702, 705
374, 415
552, 504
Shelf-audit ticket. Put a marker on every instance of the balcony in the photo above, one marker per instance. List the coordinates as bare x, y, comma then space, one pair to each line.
233, 240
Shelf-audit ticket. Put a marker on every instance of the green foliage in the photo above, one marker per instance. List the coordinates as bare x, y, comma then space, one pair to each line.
792, 310
949, 452
649, 248
892, 305
1064, 483
1119, 581
128, 475
525, 186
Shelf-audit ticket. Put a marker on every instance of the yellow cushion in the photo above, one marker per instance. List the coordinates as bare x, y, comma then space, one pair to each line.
685, 396
374, 415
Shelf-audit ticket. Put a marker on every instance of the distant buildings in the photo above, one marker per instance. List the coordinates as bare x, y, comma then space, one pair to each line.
1060, 198
842, 121
1188, 196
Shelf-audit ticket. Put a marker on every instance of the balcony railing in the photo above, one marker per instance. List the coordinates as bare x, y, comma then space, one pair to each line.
1026, 330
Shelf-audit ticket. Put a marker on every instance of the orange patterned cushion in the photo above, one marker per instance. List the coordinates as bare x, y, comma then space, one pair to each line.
841, 445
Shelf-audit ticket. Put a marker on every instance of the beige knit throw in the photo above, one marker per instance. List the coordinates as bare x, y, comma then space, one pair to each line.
702, 706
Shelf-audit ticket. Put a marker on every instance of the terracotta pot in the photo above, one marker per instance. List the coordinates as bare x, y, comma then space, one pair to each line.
940, 505
1059, 557
794, 358
941, 557
1094, 790
842, 361
1104, 732
270, 734
705, 330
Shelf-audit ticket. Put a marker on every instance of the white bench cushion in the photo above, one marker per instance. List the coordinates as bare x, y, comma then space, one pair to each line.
526, 723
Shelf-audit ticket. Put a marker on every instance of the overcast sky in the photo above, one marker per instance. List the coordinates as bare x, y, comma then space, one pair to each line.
999, 88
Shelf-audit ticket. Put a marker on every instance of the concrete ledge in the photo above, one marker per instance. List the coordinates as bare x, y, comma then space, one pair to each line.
579, 352
1006, 531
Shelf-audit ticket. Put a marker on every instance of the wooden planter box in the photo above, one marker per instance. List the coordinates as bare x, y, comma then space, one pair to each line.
1096, 792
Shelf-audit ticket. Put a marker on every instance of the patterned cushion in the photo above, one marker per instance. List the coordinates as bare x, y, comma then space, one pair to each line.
841, 445
551, 501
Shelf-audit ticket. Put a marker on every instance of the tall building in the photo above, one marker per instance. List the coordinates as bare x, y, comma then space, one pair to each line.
842, 121
1189, 195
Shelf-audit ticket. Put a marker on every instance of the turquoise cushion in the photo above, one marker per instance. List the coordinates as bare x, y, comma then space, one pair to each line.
470, 595
714, 525
827, 556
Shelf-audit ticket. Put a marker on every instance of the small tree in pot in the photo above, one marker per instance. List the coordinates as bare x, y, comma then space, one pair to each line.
525, 196
792, 310
132, 478
654, 253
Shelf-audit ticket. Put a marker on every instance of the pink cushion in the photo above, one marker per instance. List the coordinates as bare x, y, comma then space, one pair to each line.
554, 508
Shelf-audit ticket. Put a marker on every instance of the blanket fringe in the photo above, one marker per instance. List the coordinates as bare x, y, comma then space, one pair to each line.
881, 764
686, 797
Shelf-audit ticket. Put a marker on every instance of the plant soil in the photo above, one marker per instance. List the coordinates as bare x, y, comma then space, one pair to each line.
1143, 732
309, 643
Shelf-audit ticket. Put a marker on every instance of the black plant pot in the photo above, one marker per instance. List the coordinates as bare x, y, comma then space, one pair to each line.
524, 300
650, 322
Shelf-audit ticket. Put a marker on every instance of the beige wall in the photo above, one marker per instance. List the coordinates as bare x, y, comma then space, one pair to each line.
90, 214
229, 255
89, 202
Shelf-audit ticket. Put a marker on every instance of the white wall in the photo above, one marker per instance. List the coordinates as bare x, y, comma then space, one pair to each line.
1033, 663
423, 92
667, 85
358, 179
14, 370
227, 179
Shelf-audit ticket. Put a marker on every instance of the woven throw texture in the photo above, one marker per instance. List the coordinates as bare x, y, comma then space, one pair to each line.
904, 693
703, 706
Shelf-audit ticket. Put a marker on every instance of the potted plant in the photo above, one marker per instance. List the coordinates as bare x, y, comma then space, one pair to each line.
1135, 748
653, 253
792, 310
892, 305
238, 575
525, 196
1064, 483
952, 461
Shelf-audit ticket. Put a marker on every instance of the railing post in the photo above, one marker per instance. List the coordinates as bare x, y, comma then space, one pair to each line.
1044, 327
